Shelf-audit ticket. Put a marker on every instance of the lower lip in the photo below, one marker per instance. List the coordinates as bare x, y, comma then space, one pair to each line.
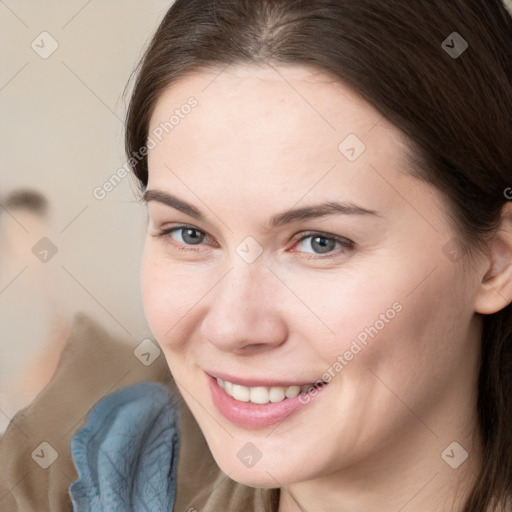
251, 415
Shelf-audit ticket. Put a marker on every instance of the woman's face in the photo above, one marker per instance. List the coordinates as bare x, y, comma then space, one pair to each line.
287, 245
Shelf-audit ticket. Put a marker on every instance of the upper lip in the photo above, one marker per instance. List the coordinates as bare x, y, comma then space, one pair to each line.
259, 382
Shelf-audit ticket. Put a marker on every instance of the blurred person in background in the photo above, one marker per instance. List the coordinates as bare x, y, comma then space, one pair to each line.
33, 325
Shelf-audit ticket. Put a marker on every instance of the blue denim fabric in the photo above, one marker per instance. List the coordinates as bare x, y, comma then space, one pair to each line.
127, 453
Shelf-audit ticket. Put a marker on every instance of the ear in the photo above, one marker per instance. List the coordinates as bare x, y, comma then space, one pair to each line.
496, 287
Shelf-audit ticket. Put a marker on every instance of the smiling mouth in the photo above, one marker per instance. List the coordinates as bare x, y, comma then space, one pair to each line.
263, 395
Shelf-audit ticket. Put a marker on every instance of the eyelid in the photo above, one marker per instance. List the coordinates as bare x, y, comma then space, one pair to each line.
164, 231
306, 234
345, 243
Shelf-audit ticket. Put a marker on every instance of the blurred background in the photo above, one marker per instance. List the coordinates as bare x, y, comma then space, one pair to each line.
63, 248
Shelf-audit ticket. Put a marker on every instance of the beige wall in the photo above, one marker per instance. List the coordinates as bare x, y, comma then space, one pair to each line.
61, 133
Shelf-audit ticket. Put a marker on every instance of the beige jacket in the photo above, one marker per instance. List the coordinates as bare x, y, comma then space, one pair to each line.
93, 365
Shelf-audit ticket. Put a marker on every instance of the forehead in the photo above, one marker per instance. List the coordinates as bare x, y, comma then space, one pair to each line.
269, 127
255, 92
254, 102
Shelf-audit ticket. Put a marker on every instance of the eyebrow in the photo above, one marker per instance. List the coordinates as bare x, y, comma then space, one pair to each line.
281, 219
173, 202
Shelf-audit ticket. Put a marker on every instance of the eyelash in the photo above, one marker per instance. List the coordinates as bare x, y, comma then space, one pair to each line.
345, 243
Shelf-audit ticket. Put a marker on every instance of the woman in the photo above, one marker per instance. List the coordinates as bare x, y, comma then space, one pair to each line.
327, 268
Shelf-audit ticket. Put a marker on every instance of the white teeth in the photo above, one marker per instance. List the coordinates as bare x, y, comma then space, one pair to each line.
261, 394
276, 394
292, 391
240, 393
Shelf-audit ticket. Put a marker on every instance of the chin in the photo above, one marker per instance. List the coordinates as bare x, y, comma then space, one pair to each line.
256, 478
264, 474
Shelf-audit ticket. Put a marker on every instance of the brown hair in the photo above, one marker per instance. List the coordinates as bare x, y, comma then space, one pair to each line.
26, 199
456, 112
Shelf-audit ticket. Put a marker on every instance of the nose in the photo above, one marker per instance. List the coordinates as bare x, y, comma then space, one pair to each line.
244, 315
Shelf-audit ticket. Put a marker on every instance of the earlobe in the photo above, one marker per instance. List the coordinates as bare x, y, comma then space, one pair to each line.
495, 291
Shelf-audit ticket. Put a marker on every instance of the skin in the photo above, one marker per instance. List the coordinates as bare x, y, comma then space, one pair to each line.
264, 140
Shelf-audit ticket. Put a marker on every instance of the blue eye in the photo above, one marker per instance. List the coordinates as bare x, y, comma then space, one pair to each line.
183, 236
188, 236
319, 243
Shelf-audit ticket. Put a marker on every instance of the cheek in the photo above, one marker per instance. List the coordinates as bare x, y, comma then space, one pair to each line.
168, 294
395, 317
343, 310
416, 347
175, 295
